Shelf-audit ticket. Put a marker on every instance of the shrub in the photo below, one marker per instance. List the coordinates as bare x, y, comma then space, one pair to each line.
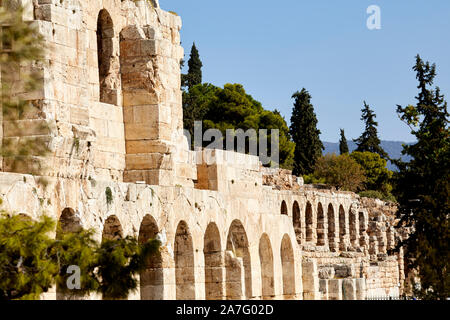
341, 172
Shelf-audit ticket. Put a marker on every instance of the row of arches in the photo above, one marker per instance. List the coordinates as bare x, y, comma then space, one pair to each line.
227, 271
338, 229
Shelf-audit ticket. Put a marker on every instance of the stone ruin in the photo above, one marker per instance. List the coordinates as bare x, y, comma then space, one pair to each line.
230, 229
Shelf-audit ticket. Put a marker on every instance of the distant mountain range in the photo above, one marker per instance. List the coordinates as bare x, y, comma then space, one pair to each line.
393, 149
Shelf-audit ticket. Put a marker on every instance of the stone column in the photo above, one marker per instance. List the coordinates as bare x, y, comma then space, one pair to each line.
149, 103
335, 289
360, 289
363, 226
349, 289
310, 280
235, 277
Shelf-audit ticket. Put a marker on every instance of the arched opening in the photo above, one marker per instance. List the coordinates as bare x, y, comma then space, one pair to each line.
108, 65
284, 209
362, 229
331, 228
353, 228
288, 266
152, 278
342, 228
184, 263
212, 250
25, 217
266, 260
238, 263
68, 222
309, 220
321, 229
112, 230
296, 219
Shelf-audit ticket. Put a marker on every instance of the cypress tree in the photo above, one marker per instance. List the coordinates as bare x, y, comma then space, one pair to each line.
343, 145
305, 134
422, 187
194, 75
369, 141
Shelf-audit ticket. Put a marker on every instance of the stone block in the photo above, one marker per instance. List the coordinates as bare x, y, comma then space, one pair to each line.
335, 289
348, 289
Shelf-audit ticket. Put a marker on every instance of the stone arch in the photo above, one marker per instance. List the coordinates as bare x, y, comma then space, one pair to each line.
267, 274
238, 263
284, 209
288, 266
331, 228
184, 263
108, 64
152, 278
342, 228
68, 222
297, 222
25, 217
321, 227
354, 228
363, 224
112, 229
309, 221
212, 250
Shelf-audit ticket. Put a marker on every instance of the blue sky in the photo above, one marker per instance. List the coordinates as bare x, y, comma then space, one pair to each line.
275, 48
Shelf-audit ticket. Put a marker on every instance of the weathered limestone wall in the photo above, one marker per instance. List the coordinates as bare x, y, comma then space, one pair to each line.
230, 229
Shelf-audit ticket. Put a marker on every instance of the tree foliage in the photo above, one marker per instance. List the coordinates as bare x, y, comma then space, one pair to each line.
378, 176
31, 261
231, 107
341, 172
194, 75
26, 266
343, 145
304, 132
21, 54
422, 186
369, 140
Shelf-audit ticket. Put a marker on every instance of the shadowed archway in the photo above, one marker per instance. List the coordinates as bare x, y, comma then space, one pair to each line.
309, 221
238, 263
108, 64
297, 222
342, 229
184, 263
284, 209
68, 222
152, 279
267, 274
332, 241
212, 251
112, 230
288, 265
321, 226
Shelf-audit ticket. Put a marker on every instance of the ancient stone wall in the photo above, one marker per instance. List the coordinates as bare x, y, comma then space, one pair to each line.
120, 164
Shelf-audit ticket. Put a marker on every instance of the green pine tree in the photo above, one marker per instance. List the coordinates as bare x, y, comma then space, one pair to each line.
26, 268
369, 140
343, 145
422, 186
21, 50
31, 262
305, 134
194, 75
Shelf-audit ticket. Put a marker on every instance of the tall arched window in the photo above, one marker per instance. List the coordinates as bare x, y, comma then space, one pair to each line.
284, 209
108, 65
